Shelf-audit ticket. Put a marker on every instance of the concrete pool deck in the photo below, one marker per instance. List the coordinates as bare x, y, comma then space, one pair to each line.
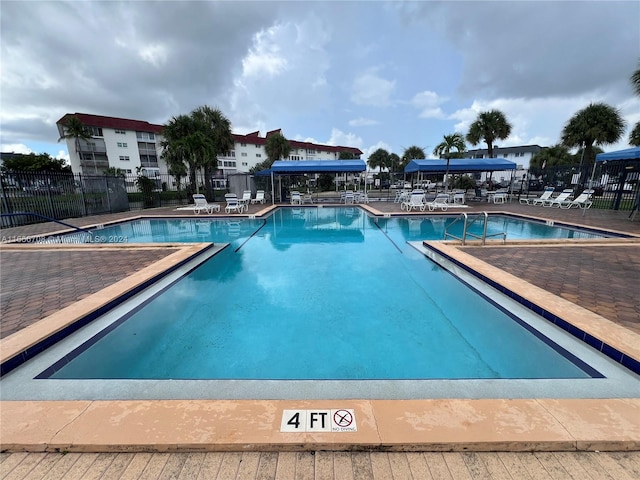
407, 425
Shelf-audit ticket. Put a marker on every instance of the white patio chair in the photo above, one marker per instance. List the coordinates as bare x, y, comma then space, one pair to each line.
441, 201
296, 198
259, 197
546, 195
201, 204
233, 205
557, 201
582, 201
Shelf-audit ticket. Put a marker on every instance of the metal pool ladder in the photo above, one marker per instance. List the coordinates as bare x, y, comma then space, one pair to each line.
468, 221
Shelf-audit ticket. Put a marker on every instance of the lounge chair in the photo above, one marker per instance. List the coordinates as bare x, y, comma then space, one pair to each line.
200, 204
499, 197
582, 201
233, 205
259, 197
296, 198
560, 199
546, 195
415, 200
349, 197
441, 201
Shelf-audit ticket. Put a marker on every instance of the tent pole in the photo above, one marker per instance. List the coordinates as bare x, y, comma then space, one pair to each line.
273, 190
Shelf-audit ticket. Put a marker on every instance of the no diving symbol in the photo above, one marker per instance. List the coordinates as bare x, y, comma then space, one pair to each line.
342, 418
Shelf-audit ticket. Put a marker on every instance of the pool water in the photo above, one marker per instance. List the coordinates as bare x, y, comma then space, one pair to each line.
318, 293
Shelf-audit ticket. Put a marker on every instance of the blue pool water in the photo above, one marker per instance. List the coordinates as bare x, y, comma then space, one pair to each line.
319, 293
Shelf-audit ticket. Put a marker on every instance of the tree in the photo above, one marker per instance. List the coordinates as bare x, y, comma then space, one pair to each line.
33, 162
183, 143
635, 81
413, 152
74, 128
634, 136
556, 155
220, 140
597, 124
114, 172
380, 159
277, 148
446, 147
346, 156
489, 127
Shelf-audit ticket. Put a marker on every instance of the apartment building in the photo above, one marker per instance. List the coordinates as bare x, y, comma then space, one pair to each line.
127, 144
520, 155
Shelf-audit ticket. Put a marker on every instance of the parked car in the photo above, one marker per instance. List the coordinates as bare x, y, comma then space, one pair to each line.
613, 187
401, 185
535, 186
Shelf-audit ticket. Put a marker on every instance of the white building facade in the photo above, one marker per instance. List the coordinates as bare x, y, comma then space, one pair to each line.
128, 144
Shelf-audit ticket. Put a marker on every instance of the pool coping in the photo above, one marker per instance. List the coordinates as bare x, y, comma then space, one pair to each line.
254, 425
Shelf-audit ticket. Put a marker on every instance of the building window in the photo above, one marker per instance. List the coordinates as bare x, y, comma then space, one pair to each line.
311, 151
122, 144
244, 154
121, 132
243, 144
244, 164
128, 170
124, 158
259, 155
145, 136
95, 131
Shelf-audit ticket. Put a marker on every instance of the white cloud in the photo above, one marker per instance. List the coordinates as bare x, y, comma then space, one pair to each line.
369, 89
266, 56
343, 139
429, 104
16, 148
369, 150
362, 122
155, 54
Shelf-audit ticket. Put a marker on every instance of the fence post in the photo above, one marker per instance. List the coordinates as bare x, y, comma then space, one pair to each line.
106, 184
84, 202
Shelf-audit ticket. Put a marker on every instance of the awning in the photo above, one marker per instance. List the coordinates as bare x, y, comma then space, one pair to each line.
439, 165
318, 166
626, 154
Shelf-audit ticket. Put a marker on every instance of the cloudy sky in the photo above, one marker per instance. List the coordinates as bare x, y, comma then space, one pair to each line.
366, 74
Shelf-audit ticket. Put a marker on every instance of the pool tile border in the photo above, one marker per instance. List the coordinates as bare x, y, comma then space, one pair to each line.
561, 312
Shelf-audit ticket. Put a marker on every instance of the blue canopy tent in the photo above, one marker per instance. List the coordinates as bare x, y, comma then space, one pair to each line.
289, 167
467, 165
462, 165
626, 154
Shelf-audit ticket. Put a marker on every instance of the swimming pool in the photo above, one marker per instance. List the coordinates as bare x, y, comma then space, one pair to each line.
319, 294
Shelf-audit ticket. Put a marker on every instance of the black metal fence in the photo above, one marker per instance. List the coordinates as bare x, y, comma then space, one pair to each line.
59, 195
616, 184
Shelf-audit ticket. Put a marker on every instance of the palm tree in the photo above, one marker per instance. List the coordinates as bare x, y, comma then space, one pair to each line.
277, 147
380, 159
445, 148
177, 148
551, 157
634, 136
413, 153
635, 81
597, 124
74, 128
489, 126
220, 139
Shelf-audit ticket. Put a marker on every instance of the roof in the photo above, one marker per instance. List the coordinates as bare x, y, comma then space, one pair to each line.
255, 139
459, 165
142, 126
113, 122
318, 166
502, 150
626, 154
